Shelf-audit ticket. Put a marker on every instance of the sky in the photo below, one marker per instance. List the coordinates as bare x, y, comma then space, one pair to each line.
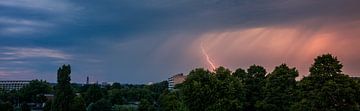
141, 41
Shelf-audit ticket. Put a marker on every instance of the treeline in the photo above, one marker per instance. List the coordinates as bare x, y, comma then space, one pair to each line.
78, 97
326, 88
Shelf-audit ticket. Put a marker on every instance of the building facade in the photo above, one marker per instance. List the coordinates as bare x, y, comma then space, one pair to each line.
176, 79
9, 85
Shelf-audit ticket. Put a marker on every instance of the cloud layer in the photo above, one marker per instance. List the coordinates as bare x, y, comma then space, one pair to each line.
149, 40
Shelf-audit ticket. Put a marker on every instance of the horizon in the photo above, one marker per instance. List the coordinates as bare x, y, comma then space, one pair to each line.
137, 42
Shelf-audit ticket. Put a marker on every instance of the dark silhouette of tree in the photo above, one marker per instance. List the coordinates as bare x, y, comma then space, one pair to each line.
25, 107
146, 105
6, 106
34, 92
253, 83
116, 96
279, 90
63, 90
78, 104
48, 105
204, 90
116, 85
326, 88
101, 105
325, 66
172, 101
198, 89
157, 88
93, 94
241, 74
229, 91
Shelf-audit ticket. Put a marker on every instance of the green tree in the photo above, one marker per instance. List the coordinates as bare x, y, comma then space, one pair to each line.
157, 88
326, 88
325, 66
279, 90
172, 101
78, 104
6, 106
253, 82
222, 90
63, 90
47, 106
241, 74
228, 90
93, 94
34, 92
116, 97
146, 105
124, 108
25, 107
116, 86
133, 94
199, 83
9, 97
100, 105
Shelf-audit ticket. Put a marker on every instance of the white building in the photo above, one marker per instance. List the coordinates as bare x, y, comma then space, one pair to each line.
176, 79
9, 85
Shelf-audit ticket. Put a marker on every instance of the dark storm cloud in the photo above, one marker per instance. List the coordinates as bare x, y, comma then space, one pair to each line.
188, 15
147, 40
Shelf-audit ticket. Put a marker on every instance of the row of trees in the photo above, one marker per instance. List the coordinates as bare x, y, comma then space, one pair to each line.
77, 97
94, 97
326, 88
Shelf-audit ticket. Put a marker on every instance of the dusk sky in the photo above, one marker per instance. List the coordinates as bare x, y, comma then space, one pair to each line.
141, 41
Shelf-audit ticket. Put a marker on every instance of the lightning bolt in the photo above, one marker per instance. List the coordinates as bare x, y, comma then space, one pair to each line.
208, 59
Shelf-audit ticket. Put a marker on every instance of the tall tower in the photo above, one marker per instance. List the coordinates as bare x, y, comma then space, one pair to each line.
87, 79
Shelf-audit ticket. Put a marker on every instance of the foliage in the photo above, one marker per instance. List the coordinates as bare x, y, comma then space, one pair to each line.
124, 108
78, 104
136, 94
34, 92
64, 92
146, 105
326, 88
254, 81
116, 86
172, 101
10, 97
100, 105
325, 66
25, 107
279, 90
157, 88
222, 90
241, 74
6, 106
47, 106
93, 94
116, 97
228, 90
199, 82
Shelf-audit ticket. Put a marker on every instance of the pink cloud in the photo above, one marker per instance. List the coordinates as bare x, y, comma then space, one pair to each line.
24, 52
16, 74
292, 44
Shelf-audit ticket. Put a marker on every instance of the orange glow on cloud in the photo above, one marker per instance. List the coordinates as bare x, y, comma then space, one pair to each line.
270, 46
